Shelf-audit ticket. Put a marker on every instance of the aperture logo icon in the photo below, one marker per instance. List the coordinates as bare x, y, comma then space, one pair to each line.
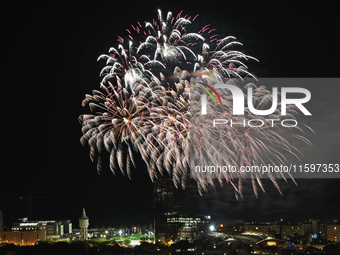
211, 95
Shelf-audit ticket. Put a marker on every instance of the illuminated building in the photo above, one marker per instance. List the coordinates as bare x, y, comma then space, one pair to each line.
169, 224
333, 232
54, 228
83, 224
23, 237
269, 241
24, 225
67, 227
288, 230
233, 228
259, 228
186, 226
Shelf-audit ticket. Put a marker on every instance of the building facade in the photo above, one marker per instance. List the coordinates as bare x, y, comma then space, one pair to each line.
333, 232
163, 198
289, 230
23, 237
54, 228
170, 225
186, 226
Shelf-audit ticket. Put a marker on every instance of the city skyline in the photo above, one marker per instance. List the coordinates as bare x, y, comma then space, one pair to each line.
171, 225
52, 49
179, 233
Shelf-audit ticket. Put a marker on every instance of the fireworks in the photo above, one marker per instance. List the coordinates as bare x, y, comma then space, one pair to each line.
114, 126
149, 104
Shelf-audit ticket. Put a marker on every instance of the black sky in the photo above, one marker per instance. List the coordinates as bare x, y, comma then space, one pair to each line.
49, 51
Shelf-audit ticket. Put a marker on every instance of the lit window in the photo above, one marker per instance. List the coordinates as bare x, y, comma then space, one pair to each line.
272, 243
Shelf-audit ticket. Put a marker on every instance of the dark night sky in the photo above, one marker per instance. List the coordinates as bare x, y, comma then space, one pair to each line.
49, 57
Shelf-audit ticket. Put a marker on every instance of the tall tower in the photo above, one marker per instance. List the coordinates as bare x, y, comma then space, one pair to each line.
163, 198
83, 224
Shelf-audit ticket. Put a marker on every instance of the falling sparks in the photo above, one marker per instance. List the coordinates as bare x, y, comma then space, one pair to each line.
144, 105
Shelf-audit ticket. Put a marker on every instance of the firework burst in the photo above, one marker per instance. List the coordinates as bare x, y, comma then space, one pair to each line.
149, 104
114, 125
242, 146
168, 41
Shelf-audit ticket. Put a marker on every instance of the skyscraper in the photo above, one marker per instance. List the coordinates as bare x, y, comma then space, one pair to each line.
169, 223
83, 224
163, 197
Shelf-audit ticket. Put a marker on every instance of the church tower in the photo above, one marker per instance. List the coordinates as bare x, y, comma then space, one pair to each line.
83, 224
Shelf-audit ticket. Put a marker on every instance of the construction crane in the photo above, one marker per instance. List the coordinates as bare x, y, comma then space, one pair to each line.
29, 199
